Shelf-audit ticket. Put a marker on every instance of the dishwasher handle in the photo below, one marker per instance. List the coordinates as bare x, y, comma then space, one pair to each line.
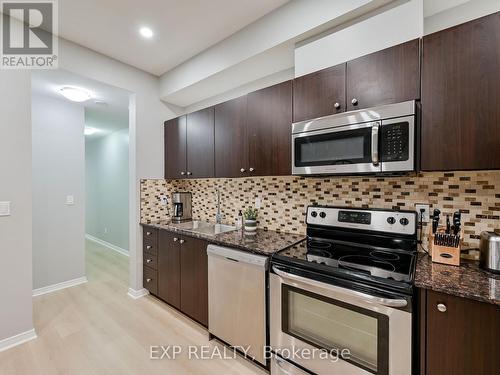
239, 256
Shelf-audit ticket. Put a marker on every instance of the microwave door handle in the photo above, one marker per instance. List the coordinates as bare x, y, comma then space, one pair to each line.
389, 302
375, 154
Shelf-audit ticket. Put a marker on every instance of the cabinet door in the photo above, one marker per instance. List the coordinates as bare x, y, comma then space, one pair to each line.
316, 94
194, 279
384, 77
462, 340
231, 146
270, 130
460, 96
200, 143
169, 268
175, 148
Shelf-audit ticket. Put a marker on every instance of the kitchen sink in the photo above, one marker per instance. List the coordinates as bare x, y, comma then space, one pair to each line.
204, 227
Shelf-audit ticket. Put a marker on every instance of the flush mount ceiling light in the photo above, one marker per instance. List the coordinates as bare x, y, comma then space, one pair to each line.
75, 94
89, 131
146, 32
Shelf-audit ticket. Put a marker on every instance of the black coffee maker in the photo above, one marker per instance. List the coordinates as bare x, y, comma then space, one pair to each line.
181, 207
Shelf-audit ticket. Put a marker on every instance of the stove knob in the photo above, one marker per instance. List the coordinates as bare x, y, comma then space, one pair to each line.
314, 214
391, 220
322, 215
404, 221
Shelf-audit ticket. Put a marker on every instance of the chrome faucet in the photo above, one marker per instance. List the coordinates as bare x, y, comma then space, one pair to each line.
218, 216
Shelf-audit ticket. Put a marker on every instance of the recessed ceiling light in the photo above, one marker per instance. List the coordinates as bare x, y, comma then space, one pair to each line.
89, 131
75, 94
146, 32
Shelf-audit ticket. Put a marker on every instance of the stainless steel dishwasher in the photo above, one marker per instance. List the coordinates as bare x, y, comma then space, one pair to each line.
237, 299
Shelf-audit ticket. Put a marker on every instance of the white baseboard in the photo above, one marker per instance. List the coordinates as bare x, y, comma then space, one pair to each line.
107, 244
59, 286
136, 294
19, 339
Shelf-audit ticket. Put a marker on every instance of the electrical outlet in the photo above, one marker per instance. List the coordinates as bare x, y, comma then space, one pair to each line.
106, 230
425, 214
163, 200
70, 200
257, 202
4, 208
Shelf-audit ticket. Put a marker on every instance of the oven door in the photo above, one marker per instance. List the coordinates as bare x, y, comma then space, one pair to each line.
370, 334
340, 150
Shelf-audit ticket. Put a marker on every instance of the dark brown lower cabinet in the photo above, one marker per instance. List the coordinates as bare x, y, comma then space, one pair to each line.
461, 336
194, 279
169, 268
181, 278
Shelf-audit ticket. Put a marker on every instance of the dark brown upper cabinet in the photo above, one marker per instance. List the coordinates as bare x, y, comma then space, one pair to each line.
269, 130
231, 151
175, 148
461, 336
200, 144
460, 96
319, 94
189, 145
388, 76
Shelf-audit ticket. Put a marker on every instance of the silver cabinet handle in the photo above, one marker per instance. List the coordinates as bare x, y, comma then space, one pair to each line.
148, 280
354, 101
337, 105
441, 307
375, 130
242, 170
148, 233
189, 173
182, 241
183, 173
149, 260
251, 169
348, 292
176, 239
148, 247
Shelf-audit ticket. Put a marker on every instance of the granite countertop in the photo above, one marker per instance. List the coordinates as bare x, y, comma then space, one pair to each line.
467, 280
263, 242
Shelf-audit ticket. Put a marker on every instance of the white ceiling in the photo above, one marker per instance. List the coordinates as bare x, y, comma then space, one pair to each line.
183, 28
106, 118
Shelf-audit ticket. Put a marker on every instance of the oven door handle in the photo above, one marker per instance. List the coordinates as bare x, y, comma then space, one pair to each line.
389, 302
375, 155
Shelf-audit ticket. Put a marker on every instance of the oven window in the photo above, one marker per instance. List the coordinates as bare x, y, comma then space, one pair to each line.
330, 324
340, 147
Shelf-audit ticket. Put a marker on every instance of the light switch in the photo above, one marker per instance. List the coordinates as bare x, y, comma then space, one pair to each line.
4, 208
70, 200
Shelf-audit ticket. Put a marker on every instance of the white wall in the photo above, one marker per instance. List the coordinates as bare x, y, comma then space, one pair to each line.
15, 186
392, 27
58, 171
147, 114
465, 11
106, 180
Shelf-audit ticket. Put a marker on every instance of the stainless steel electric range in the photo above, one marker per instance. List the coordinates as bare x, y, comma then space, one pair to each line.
341, 301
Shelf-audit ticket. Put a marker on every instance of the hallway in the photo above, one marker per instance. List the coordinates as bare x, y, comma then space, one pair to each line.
96, 329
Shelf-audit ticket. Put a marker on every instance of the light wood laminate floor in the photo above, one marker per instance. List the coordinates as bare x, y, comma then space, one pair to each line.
95, 328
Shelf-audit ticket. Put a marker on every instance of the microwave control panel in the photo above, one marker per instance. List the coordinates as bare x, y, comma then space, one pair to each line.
395, 140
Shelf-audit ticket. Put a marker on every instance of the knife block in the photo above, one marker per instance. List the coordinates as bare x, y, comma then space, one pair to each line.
445, 254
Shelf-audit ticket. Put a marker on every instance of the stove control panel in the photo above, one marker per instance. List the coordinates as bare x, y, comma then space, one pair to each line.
388, 221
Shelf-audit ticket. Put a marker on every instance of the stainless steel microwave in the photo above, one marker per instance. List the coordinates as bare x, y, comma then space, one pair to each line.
366, 141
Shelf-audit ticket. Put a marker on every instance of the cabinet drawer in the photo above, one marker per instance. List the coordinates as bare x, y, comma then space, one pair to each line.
150, 260
150, 240
150, 280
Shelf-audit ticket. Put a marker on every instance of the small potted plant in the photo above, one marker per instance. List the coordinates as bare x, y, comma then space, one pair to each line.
250, 215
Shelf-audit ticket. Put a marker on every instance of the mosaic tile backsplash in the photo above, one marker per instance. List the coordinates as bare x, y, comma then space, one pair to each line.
284, 199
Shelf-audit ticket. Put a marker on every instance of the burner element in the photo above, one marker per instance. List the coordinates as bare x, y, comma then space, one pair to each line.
384, 255
319, 245
363, 261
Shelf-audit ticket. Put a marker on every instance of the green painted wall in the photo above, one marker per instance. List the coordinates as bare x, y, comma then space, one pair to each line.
107, 196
